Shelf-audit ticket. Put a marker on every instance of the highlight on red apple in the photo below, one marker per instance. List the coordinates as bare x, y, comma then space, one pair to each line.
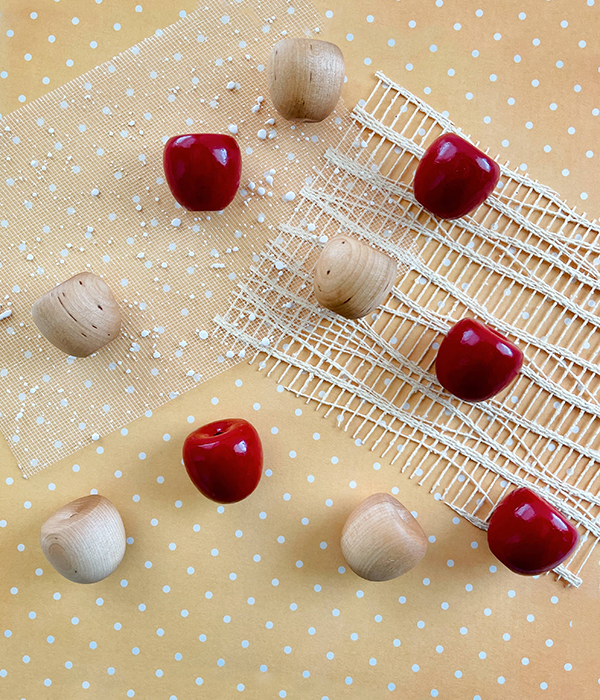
203, 170
454, 178
528, 535
224, 459
474, 362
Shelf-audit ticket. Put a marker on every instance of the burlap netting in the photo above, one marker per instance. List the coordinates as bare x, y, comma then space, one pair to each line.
83, 189
524, 262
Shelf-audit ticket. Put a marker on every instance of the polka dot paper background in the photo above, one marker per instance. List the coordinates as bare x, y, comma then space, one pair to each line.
521, 75
255, 598
456, 627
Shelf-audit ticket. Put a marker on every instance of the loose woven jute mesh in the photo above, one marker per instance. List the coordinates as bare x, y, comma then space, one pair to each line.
82, 188
524, 263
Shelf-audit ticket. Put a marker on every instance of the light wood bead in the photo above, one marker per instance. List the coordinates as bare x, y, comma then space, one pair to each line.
85, 539
305, 78
79, 316
381, 540
352, 278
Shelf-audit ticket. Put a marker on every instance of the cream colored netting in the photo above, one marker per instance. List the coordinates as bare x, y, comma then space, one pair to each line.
524, 262
82, 189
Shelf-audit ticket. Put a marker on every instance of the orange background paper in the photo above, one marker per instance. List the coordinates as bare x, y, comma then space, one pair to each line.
452, 626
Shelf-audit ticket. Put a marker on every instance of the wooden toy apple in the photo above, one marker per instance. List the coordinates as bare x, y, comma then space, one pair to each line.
381, 539
84, 540
203, 170
528, 535
475, 362
224, 459
453, 177
79, 316
352, 278
305, 78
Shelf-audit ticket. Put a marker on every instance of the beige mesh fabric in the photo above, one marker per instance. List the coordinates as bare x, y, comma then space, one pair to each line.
524, 262
82, 189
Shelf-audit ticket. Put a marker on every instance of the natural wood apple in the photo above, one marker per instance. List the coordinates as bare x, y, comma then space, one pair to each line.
305, 78
381, 539
85, 539
79, 316
352, 278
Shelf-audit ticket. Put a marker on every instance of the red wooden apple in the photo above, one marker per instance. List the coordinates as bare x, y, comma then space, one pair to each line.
203, 170
528, 535
475, 362
454, 177
224, 459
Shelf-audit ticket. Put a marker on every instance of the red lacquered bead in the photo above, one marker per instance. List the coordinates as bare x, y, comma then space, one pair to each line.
224, 459
454, 177
203, 170
528, 535
475, 362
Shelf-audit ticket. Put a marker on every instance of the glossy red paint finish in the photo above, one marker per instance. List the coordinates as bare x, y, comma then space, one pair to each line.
203, 170
453, 177
475, 362
528, 535
224, 459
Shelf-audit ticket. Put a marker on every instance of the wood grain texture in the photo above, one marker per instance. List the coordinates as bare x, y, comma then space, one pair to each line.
305, 78
79, 316
381, 540
85, 539
352, 278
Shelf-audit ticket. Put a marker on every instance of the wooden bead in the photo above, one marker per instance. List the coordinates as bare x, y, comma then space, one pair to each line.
305, 78
85, 539
381, 540
79, 316
352, 278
